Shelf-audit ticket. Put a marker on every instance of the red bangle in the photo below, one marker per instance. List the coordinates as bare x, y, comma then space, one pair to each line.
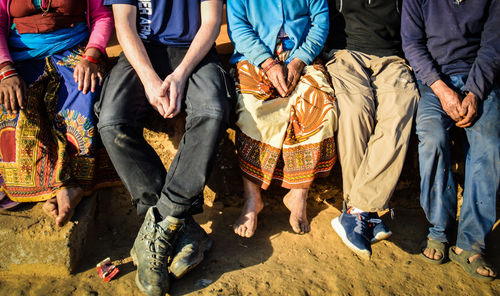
90, 59
272, 64
7, 74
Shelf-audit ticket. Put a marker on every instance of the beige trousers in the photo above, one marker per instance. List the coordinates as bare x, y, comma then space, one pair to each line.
377, 98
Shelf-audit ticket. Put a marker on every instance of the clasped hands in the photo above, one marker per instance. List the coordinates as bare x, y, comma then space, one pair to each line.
462, 111
284, 79
166, 96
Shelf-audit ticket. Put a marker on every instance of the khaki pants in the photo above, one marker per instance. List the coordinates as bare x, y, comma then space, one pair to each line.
377, 98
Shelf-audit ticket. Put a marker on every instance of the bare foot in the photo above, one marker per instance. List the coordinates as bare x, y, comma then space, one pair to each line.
482, 270
432, 253
296, 203
62, 207
50, 207
246, 224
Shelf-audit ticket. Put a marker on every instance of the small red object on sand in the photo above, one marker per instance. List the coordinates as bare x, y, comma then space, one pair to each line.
106, 270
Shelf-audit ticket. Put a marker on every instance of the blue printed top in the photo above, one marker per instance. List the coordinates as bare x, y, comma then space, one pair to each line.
168, 22
253, 27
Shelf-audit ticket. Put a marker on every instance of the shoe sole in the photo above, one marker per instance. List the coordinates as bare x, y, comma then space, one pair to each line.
381, 236
365, 254
205, 246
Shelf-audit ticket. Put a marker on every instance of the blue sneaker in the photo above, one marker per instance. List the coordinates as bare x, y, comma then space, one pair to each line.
380, 230
355, 232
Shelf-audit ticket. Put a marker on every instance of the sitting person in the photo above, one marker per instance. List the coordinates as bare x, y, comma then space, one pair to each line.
377, 98
454, 48
50, 76
286, 111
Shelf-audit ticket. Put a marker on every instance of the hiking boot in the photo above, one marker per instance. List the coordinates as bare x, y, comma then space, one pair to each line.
152, 247
190, 247
380, 230
355, 232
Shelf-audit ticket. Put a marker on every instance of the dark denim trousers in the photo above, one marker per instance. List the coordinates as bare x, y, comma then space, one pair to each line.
122, 110
482, 168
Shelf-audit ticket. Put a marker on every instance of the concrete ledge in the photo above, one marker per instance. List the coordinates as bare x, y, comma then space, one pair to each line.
31, 243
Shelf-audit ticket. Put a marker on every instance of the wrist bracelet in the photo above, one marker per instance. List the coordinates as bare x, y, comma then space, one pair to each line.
272, 64
7, 74
90, 59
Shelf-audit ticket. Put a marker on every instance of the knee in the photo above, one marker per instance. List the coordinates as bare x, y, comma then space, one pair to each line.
432, 135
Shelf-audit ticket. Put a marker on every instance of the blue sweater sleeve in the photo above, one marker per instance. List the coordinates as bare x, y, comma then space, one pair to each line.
486, 67
243, 36
316, 37
414, 42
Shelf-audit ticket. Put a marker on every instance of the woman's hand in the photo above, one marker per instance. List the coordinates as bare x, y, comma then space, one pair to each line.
277, 75
12, 93
87, 75
294, 68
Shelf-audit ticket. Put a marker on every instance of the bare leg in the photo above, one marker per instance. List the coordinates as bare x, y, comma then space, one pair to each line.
62, 207
296, 202
246, 224
482, 270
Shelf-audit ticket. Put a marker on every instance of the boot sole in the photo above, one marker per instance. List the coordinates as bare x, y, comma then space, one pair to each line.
365, 254
205, 246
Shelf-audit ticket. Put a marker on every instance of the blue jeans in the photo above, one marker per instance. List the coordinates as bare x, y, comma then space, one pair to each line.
438, 195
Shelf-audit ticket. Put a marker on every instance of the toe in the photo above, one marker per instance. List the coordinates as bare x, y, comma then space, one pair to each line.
63, 217
50, 207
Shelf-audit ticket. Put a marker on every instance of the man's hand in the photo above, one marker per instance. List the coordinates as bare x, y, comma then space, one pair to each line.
450, 100
173, 86
294, 68
277, 75
157, 95
468, 110
12, 93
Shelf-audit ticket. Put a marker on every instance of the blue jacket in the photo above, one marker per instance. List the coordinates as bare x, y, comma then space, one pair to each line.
453, 37
253, 27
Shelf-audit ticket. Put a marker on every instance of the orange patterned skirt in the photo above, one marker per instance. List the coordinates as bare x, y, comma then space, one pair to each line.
290, 140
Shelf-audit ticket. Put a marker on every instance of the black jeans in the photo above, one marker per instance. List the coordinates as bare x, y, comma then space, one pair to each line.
122, 110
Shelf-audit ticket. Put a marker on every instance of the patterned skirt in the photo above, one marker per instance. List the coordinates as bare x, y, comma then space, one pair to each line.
290, 140
51, 143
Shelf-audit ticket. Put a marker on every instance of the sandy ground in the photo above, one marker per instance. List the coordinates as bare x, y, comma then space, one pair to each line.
275, 261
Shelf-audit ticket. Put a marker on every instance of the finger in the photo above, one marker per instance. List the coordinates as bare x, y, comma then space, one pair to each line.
462, 109
99, 75
19, 97
172, 100
282, 83
12, 100
164, 105
164, 87
290, 78
23, 95
93, 81
469, 118
76, 73
81, 77
86, 81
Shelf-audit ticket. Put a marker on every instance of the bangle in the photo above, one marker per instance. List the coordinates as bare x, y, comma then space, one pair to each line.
272, 64
90, 59
7, 74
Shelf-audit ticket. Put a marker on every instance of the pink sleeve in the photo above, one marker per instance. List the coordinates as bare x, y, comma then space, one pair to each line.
4, 32
100, 20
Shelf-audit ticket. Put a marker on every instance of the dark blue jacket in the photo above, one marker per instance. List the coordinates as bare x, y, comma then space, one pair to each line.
453, 37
